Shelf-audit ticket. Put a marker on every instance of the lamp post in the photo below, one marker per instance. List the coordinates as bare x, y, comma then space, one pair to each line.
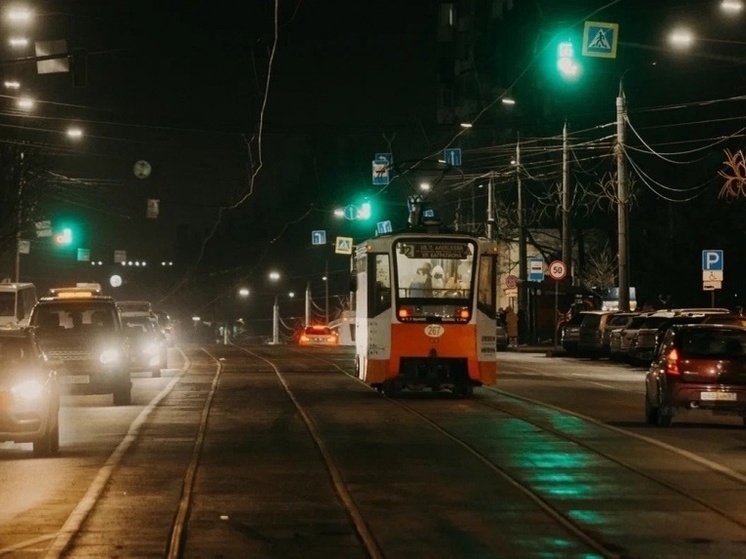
275, 277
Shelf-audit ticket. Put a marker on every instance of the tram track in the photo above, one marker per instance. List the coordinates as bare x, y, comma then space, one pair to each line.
527, 414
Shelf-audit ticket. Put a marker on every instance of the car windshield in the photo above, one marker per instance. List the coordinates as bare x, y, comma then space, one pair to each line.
318, 331
74, 318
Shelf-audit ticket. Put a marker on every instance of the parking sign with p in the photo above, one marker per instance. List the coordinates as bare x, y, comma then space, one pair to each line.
712, 260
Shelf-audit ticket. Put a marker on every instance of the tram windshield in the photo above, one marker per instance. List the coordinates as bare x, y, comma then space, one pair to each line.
434, 277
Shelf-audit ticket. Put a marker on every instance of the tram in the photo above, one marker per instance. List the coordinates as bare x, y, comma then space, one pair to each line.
425, 311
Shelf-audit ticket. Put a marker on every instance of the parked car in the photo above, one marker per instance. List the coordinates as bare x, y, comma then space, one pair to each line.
614, 327
571, 333
650, 333
591, 334
697, 367
29, 395
731, 319
627, 339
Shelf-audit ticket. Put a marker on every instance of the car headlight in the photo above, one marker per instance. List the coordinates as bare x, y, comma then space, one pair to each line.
109, 356
28, 391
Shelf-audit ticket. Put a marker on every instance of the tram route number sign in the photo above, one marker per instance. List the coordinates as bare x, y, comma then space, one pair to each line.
454, 251
557, 270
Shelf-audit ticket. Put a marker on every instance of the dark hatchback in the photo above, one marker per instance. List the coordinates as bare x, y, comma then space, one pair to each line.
29, 396
697, 367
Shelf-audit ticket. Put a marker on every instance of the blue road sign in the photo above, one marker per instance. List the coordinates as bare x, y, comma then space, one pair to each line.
384, 227
600, 39
712, 260
387, 158
380, 172
318, 237
535, 269
350, 212
452, 156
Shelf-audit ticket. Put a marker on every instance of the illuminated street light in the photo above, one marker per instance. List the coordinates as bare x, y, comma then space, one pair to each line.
424, 186
243, 291
12, 84
466, 125
681, 38
508, 101
732, 6
19, 15
274, 276
18, 42
339, 212
25, 103
74, 132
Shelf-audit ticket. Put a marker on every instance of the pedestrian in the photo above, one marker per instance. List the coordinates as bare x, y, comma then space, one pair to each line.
511, 326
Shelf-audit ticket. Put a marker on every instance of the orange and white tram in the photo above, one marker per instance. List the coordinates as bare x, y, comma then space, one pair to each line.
425, 311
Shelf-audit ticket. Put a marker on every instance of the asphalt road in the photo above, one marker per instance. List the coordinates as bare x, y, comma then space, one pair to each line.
277, 451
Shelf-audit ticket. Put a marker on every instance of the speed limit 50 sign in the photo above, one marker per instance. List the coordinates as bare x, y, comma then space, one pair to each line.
557, 270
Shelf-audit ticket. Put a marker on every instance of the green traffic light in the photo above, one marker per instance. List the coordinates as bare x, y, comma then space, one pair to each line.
64, 237
569, 68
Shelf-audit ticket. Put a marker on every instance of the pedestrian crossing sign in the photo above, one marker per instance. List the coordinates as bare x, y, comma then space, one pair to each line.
343, 245
600, 39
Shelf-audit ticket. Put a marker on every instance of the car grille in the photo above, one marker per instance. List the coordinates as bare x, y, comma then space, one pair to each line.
70, 354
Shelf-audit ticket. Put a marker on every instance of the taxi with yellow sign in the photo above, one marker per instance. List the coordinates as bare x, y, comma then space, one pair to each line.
80, 330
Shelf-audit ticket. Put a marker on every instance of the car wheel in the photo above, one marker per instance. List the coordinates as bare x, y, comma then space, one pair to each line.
651, 412
123, 395
664, 419
43, 445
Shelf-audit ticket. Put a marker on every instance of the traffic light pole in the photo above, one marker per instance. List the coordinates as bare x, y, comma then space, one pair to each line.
566, 235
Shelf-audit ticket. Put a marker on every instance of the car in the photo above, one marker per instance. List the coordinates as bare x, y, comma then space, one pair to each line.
613, 331
148, 347
697, 367
651, 331
318, 334
571, 333
29, 393
591, 334
620, 345
729, 318
83, 331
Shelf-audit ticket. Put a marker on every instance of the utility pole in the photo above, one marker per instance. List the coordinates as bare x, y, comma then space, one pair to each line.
622, 202
490, 207
566, 235
275, 323
522, 268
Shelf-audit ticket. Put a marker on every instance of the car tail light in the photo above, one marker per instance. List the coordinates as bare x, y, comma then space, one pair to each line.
672, 362
304, 339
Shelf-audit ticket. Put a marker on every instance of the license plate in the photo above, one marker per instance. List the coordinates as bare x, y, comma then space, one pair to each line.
722, 396
75, 379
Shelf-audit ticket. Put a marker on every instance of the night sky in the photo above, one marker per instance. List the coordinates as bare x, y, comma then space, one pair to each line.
182, 86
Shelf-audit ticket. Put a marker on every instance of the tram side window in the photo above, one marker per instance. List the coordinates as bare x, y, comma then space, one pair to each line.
380, 290
486, 286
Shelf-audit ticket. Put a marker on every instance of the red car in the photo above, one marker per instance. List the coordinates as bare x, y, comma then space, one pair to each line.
697, 367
